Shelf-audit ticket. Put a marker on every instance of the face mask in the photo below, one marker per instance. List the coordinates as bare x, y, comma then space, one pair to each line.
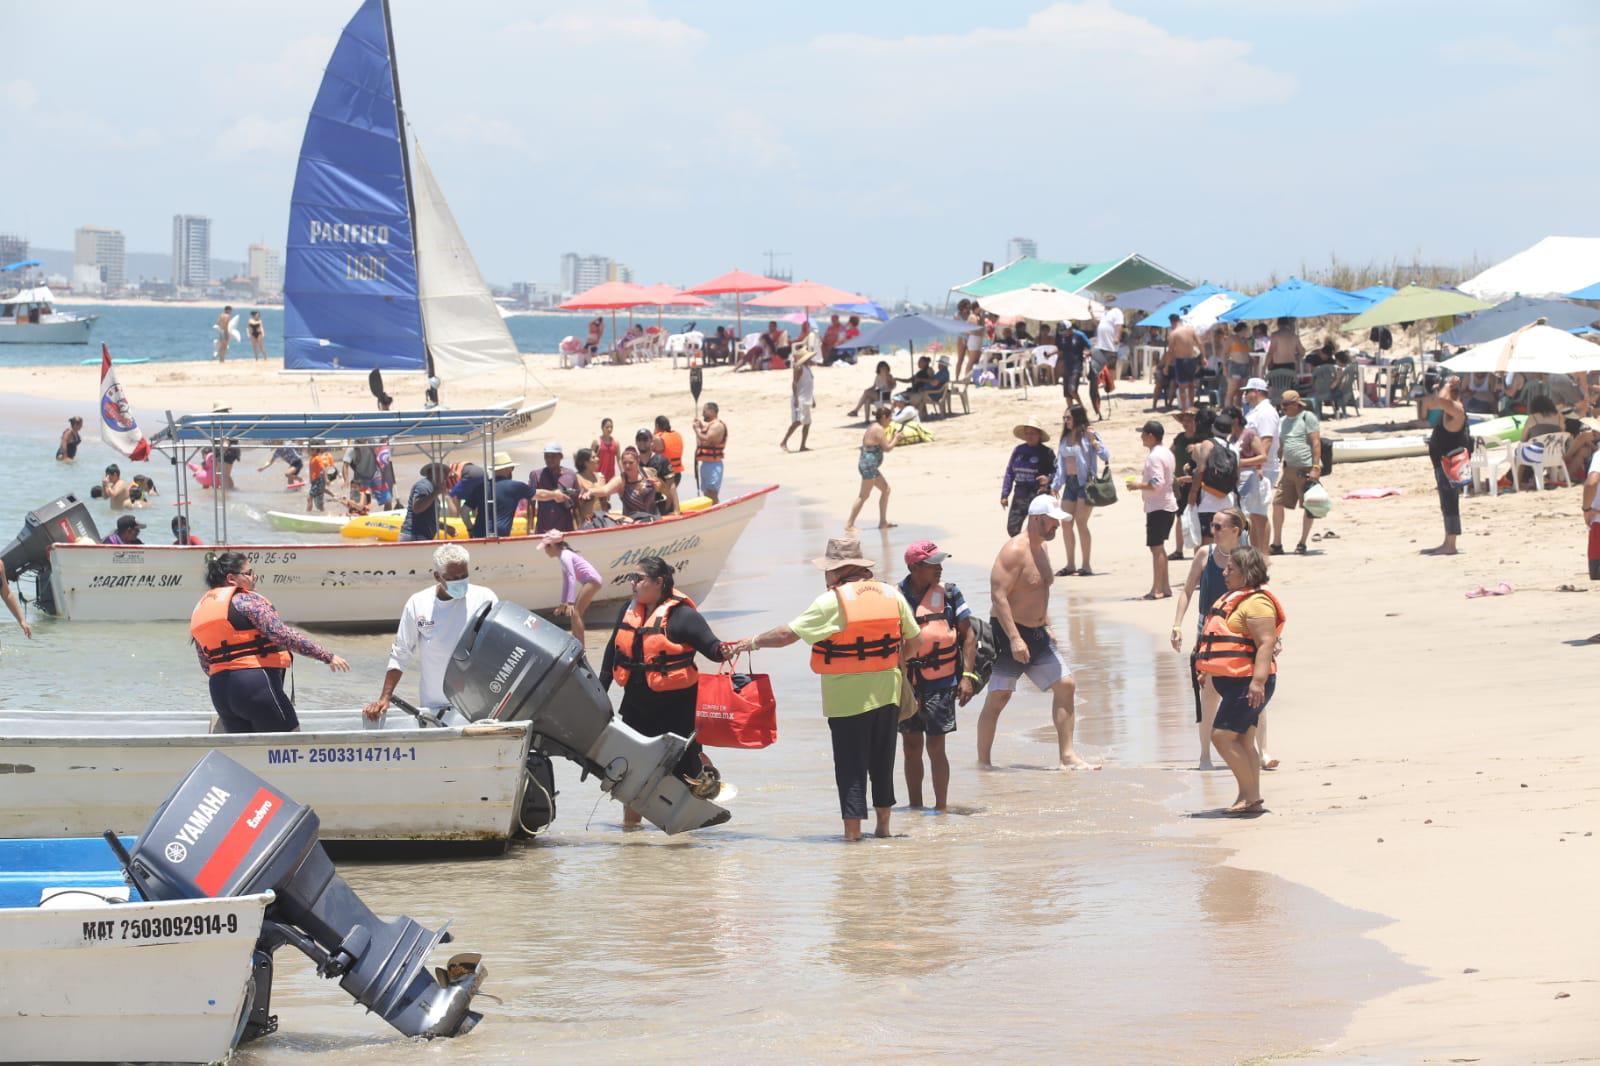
457, 589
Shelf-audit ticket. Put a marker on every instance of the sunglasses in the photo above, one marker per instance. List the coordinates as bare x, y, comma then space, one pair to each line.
636, 578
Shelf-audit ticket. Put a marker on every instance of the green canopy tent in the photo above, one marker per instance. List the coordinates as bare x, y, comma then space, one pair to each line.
1111, 276
1415, 303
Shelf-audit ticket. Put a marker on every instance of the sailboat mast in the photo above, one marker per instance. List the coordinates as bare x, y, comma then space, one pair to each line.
405, 162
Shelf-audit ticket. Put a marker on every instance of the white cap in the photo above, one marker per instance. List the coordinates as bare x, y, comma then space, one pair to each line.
1257, 385
554, 448
1045, 504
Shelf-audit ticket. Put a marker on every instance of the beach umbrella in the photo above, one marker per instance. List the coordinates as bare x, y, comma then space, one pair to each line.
1148, 298
1042, 303
670, 296
1204, 315
806, 295
870, 309
907, 330
1413, 304
735, 282
1534, 350
1515, 313
610, 296
1376, 292
1185, 302
1297, 299
1591, 292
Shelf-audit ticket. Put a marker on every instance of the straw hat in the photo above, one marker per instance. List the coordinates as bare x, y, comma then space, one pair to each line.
503, 460
1032, 423
841, 552
804, 355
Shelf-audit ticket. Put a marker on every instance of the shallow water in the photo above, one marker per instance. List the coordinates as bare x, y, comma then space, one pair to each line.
1060, 916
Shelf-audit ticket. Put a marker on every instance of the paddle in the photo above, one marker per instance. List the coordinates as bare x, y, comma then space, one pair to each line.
695, 382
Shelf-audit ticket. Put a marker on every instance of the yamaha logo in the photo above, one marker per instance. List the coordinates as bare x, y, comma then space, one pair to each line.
176, 852
495, 686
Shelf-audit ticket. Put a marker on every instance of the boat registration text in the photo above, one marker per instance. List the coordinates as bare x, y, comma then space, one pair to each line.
172, 927
290, 756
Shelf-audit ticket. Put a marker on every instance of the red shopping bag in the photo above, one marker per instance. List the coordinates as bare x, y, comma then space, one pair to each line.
735, 710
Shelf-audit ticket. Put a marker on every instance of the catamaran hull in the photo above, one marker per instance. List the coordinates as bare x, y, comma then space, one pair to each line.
365, 585
85, 981
68, 331
389, 789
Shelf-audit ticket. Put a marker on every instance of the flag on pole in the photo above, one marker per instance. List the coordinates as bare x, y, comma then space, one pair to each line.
117, 427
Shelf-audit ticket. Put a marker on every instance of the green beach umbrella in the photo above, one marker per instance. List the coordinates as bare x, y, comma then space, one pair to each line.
1413, 304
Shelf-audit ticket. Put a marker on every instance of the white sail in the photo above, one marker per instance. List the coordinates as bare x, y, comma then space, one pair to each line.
465, 331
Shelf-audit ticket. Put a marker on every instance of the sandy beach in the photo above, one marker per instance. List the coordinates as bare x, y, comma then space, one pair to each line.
1437, 750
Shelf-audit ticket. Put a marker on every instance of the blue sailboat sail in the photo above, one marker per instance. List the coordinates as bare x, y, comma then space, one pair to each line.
350, 271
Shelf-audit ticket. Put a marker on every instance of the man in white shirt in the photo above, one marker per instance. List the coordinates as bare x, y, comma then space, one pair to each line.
1108, 337
430, 627
1258, 473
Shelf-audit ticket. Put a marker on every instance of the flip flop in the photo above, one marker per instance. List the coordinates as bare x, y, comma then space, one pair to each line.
1478, 593
1300, 549
1086, 572
1503, 589
1066, 571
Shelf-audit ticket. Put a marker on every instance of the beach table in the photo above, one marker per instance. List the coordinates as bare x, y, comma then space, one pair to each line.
1145, 359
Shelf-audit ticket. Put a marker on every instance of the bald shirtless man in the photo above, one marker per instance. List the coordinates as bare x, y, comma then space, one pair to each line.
1019, 593
1183, 345
1284, 350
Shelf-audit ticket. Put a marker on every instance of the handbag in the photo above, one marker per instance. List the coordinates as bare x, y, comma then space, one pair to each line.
1101, 491
1458, 467
735, 710
908, 697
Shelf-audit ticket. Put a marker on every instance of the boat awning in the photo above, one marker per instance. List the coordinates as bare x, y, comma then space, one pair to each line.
455, 426
37, 295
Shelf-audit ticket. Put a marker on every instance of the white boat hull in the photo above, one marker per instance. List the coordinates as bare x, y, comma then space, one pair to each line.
52, 329
1353, 450
297, 522
86, 773
141, 982
365, 584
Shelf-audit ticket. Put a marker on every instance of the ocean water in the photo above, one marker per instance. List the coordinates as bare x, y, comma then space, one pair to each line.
178, 334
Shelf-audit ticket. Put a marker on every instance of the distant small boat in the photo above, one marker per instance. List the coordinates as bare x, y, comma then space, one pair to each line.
125, 360
30, 317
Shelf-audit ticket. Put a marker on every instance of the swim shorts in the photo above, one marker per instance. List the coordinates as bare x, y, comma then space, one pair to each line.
1292, 485
1255, 493
1044, 666
1071, 489
1234, 713
936, 713
800, 412
1158, 527
711, 475
1184, 370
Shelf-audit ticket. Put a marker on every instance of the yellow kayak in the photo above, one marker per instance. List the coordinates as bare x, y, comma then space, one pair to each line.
387, 527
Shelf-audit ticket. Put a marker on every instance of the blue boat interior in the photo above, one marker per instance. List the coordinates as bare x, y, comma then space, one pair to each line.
29, 867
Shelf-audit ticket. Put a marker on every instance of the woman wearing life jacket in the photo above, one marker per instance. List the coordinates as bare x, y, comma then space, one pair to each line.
245, 648
1206, 586
1238, 651
651, 657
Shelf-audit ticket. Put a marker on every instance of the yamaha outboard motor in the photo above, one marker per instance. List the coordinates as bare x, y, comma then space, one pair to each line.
513, 666
226, 832
62, 521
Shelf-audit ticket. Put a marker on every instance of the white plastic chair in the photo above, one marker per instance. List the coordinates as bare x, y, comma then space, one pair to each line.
1016, 369
687, 345
1548, 464
1491, 460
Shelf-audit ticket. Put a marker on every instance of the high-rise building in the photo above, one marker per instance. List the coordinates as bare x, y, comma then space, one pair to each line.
13, 249
569, 272
265, 270
616, 271
1017, 247
103, 253
579, 273
191, 251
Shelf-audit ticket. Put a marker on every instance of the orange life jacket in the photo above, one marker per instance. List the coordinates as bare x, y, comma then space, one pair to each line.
871, 637
1223, 653
642, 644
711, 453
672, 442
933, 654
224, 646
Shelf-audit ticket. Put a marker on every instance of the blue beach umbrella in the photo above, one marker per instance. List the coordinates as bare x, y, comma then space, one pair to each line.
1589, 292
1297, 299
870, 309
1376, 293
1515, 313
1183, 302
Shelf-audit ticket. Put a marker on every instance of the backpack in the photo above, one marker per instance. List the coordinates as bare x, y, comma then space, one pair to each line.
1221, 473
983, 662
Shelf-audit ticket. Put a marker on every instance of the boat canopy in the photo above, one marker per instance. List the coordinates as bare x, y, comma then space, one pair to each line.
443, 426
37, 295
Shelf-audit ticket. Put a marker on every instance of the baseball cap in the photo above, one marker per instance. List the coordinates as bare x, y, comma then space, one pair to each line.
553, 448
127, 521
925, 551
1046, 505
1255, 385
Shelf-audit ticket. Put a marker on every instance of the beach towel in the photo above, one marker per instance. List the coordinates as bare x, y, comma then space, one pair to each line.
910, 433
1371, 494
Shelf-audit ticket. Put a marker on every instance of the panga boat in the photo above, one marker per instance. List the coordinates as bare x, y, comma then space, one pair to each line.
364, 585
86, 976
77, 773
30, 317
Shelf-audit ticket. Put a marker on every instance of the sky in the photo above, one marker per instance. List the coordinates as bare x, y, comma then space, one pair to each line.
883, 146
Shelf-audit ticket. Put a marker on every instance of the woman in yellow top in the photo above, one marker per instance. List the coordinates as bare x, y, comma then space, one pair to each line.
1238, 648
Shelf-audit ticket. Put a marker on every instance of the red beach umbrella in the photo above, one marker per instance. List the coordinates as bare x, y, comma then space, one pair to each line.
609, 296
736, 281
808, 295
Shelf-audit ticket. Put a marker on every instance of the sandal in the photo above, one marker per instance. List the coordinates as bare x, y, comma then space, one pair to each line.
1066, 571
1300, 549
1086, 572
1275, 549
1478, 593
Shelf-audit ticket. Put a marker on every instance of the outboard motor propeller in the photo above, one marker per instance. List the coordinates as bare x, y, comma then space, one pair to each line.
226, 832
513, 666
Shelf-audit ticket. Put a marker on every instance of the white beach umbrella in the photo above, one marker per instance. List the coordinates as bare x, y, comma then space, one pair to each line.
1203, 315
1533, 350
1041, 303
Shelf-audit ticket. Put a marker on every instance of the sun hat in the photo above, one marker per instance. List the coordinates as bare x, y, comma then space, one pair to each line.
1290, 396
1045, 504
1255, 385
806, 354
1032, 423
925, 551
841, 552
1186, 412
502, 460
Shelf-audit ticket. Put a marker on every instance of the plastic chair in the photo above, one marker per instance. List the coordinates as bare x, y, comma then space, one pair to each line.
1322, 387
1347, 394
1490, 460
958, 389
688, 345
1277, 381
1016, 368
1546, 455
1401, 373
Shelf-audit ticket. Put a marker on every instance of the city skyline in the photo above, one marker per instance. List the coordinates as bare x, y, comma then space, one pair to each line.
1198, 134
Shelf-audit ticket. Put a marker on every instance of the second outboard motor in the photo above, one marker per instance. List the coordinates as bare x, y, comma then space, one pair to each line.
62, 521
226, 832
513, 666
